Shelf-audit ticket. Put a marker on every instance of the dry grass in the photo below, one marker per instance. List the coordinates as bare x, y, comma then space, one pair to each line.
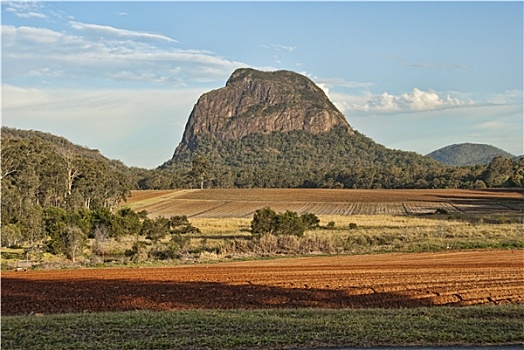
230, 238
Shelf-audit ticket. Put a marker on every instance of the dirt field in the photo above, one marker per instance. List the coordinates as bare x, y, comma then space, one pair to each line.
390, 280
220, 203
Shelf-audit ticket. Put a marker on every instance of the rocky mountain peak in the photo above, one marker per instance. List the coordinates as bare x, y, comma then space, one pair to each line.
262, 102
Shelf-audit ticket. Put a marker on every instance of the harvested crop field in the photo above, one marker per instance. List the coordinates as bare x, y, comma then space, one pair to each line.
387, 281
242, 203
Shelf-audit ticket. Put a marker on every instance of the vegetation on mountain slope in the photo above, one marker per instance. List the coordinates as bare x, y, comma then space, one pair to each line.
334, 159
468, 154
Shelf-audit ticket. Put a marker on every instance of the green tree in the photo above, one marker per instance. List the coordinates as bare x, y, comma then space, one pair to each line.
289, 223
129, 221
103, 217
264, 221
267, 221
55, 222
180, 224
310, 221
11, 235
201, 170
155, 229
498, 172
73, 241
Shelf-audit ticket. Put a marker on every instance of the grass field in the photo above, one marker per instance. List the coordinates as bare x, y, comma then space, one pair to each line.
267, 329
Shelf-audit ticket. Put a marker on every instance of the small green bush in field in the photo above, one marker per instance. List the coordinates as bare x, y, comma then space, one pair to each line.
267, 221
330, 225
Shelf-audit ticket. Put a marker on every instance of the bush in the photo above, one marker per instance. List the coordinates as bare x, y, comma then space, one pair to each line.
264, 221
74, 240
11, 235
330, 225
139, 252
180, 224
267, 221
156, 229
100, 235
310, 221
289, 223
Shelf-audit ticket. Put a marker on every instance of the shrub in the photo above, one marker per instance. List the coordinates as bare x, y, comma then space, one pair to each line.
289, 223
155, 229
353, 226
180, 224
11, 235
74, 240
310, 221
264, 221
100, 234
139, 252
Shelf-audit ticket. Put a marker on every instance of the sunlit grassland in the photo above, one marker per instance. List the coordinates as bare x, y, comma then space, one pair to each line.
380, 233
230, 238
267, 329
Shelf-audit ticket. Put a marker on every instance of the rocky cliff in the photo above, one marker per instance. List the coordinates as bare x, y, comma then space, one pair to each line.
261, 102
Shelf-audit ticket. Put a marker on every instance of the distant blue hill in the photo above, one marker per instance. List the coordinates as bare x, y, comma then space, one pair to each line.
468, 154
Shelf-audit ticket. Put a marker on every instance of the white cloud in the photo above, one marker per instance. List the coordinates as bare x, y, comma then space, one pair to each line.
508, 97
31, 15
340, 82
283, 47
40, 53
414, 101
12, 36
24, 9
116, 32
279, 47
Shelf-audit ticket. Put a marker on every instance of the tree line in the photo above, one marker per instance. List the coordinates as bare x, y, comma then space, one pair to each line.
329, 160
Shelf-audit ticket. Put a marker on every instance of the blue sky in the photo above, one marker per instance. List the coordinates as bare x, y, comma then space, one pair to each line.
122, 77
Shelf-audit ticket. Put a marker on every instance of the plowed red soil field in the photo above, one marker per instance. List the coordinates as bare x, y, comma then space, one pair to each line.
389, 280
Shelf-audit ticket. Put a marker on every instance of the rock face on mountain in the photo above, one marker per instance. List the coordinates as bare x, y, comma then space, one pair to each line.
261, 102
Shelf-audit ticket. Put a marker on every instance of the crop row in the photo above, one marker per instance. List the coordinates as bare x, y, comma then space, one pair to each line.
240, 209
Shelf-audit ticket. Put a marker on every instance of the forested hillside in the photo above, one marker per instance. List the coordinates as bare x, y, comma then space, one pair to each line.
47, 170
468, 154
333, 159
46, 177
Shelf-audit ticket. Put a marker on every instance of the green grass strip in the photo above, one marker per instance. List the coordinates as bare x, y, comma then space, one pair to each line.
267, 329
